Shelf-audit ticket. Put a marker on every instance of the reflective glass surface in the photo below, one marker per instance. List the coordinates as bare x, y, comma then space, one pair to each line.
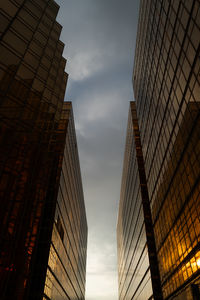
67, 259
33, 127
167, 91
133, 259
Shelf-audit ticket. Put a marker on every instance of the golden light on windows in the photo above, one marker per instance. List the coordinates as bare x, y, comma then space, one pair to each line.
183, 274
197, 257
198, 263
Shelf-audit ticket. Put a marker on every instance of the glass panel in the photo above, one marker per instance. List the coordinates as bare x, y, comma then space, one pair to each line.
36, 48
40, 38
8, 7
28, 18
7, 57
22, 29
36, 11
15, 42
3, 23
31, 60
25, 73
38, 85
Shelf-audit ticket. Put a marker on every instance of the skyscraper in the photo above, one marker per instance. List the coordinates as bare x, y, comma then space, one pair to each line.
42, 206
167, 92
65, 277
137, 260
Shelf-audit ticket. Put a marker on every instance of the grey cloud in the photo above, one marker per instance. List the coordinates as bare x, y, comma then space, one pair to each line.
100, 38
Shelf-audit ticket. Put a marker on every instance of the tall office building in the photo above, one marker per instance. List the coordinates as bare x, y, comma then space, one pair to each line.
43, 228
65, 278
167, 91
137, 261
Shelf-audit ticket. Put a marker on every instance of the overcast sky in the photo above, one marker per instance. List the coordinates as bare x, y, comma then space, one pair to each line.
99, 37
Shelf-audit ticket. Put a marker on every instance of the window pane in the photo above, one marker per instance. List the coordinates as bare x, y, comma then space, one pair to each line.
22, 29
30, 20
3, 23
7, 57
8, 7
15, 42
25, 73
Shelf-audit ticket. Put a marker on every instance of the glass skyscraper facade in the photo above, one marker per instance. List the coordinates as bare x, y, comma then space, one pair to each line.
167, 91
42, 207
67, 259
137, 260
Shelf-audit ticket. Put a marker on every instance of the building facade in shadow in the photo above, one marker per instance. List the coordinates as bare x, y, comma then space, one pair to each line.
43, 228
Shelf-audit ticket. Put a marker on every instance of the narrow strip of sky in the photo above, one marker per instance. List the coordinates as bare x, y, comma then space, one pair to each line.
100, 39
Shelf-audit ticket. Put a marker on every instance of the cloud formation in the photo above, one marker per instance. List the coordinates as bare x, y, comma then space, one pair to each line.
100, 40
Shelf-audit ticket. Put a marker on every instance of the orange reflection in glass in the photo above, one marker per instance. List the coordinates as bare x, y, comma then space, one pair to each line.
198, 262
